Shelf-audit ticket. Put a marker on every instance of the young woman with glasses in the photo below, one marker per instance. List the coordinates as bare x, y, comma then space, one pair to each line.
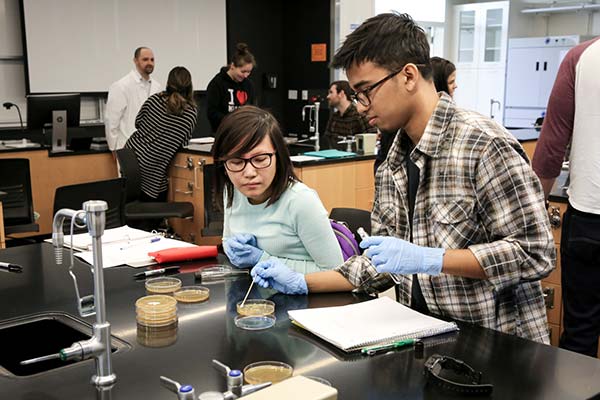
268, 212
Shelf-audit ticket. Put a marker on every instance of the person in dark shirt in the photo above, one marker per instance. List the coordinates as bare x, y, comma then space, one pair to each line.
345, 120
231, 88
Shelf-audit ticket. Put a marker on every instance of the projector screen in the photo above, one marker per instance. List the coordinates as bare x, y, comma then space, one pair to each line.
85, 45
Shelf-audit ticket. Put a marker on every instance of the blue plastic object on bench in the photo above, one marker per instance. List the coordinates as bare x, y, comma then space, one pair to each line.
330, 153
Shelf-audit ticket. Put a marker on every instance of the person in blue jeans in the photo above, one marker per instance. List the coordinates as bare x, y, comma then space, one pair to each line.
268, 212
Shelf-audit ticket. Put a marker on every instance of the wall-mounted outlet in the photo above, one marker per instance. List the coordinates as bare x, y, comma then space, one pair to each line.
292, 95
305, 95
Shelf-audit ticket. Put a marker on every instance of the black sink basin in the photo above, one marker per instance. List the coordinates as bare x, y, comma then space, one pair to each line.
39, 335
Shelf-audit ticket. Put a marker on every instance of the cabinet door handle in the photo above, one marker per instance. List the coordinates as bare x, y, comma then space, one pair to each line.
554, 216
537, 65
549, 297
545, 65
190, 186
189, 164
200, 167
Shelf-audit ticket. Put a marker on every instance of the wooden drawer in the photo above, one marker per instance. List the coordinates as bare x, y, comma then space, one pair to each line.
2, 240
553, 299
188, 166
333, 182
365, 174
182, 189
364, 199
554, 331
554, 276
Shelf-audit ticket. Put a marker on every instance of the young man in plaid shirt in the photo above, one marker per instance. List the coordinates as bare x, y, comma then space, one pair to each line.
459, 214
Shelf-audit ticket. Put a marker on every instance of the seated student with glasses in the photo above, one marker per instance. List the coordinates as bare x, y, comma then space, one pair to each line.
269, 213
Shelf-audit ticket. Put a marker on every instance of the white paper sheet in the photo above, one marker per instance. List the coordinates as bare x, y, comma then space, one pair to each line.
133, 253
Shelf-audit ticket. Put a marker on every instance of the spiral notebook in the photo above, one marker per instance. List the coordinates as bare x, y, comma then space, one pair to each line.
373, 322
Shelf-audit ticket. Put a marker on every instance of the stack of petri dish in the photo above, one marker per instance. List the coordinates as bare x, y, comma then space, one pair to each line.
163, 285
255, 314
156, 337
156, 310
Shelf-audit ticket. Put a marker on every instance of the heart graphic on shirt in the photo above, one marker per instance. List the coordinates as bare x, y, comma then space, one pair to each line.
242, 97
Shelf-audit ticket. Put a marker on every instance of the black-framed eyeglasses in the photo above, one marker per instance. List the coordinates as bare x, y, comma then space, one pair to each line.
259, 161
362, 96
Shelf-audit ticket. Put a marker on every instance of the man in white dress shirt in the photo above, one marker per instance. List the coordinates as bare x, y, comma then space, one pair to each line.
126, 96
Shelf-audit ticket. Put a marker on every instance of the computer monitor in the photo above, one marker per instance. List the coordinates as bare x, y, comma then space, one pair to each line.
56, 110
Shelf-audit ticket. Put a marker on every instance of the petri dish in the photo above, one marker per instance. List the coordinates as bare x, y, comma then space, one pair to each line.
163, 285
219, 272
256, 307
157, 337
254, 322
267, 371
192, 294
156, 310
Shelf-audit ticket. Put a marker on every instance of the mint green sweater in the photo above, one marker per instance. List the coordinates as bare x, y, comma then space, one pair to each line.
295, 229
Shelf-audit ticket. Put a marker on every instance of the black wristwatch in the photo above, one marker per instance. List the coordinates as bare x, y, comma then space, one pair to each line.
465, 380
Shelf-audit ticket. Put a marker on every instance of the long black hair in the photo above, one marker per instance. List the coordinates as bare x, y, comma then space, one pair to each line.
441, 69
240, 132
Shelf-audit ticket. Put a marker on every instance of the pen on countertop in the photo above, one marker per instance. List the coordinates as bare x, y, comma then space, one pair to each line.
139, 243
159, 271
10, 267
372, 350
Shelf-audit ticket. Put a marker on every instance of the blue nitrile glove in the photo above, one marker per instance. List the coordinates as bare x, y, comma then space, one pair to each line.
389, 254
242, 250
274, 273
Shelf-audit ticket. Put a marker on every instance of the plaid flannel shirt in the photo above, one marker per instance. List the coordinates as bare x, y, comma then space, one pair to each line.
477, 192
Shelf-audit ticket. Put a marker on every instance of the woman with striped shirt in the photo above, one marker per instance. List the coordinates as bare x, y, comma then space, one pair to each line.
163, 125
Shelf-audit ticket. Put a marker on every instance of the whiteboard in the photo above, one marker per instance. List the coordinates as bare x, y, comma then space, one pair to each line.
85, 45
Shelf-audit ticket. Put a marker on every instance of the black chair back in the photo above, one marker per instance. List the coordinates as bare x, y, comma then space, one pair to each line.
354, 218
15, 181
112, 191
130, 170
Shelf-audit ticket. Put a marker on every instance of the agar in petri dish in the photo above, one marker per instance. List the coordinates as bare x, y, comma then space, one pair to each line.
267, 371
163, 285
192, 294
256, 307
156, 310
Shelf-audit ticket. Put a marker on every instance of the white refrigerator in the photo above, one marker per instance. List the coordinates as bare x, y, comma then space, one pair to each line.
532, 65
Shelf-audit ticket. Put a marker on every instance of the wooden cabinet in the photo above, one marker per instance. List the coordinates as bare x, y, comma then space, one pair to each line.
186, 183
2, 240
551, 285
344, 184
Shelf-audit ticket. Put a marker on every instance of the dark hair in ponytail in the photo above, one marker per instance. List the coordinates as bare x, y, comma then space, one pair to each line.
242, 56
180, 93
442, 69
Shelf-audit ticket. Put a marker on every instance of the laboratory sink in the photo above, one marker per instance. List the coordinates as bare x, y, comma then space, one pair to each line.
39, 335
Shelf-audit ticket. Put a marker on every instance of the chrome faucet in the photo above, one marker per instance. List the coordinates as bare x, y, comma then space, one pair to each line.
313, 122
98, 346
235, 387
348, 141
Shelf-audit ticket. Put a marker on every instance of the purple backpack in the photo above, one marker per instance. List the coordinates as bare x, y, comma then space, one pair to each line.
345, 238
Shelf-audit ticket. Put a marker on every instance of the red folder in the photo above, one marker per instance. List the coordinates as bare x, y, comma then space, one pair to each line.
183, 253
